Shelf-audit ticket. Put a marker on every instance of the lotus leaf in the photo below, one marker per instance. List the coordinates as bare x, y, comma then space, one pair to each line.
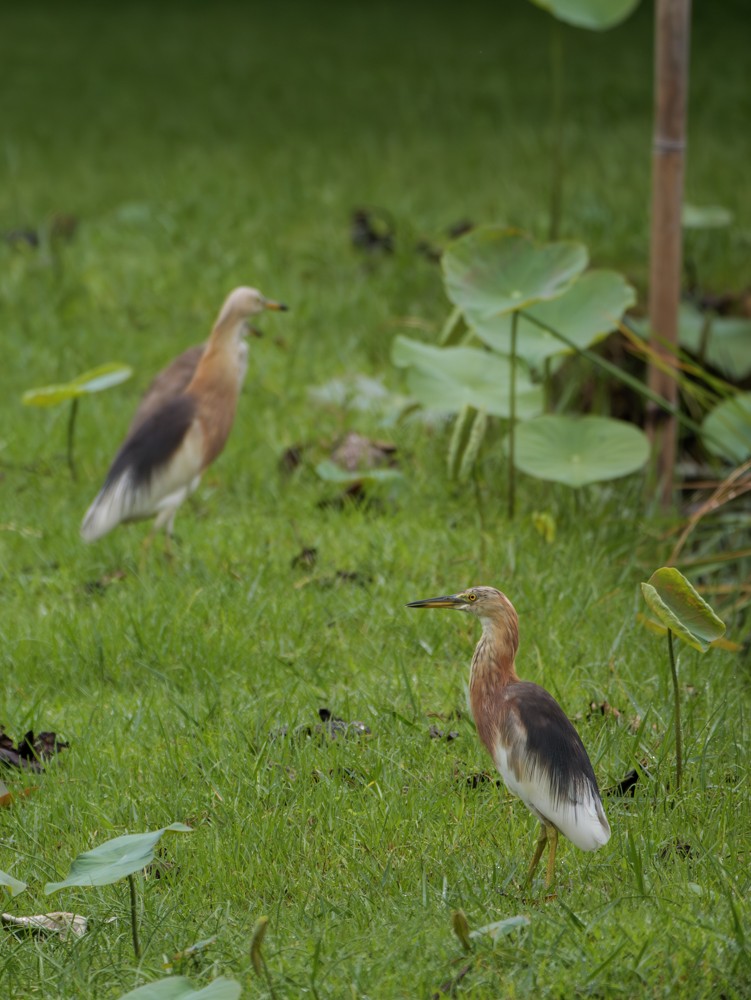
577, 451
492, 271
726, 431
587, 311
681, 609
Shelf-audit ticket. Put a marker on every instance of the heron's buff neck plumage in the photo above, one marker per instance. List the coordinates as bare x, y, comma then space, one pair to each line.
215, 383
492, 670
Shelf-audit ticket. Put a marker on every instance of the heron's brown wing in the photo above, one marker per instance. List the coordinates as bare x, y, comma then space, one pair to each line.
154, 442
169, 383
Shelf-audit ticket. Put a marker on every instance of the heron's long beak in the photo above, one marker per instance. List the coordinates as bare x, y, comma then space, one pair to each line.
452, 601
276, 306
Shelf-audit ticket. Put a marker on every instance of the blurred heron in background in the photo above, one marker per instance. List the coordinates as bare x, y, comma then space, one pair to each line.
181, 426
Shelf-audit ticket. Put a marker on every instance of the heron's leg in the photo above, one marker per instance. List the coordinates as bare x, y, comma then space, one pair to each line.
145, 548
169, 529
166, 519
552, 835
542, 839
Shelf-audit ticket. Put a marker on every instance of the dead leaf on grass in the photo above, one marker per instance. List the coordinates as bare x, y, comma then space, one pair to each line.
603, 708
291, 458
439, 734
330, 726
7, 798
307, 556
43, 924
356, 452
372, 230
477, 778
30, 751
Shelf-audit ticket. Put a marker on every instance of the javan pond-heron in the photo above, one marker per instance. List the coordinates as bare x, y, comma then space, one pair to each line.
183, 430
533, 744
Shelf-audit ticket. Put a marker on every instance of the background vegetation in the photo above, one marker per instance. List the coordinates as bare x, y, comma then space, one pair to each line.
203, 146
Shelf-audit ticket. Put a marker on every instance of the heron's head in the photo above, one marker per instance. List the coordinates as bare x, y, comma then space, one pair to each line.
241, 304
486, 603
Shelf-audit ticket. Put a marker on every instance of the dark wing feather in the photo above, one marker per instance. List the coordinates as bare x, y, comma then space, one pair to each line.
553, 745
170, 383
153, 443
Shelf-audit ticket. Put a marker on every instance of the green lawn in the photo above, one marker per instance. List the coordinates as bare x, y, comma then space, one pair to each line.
204, 146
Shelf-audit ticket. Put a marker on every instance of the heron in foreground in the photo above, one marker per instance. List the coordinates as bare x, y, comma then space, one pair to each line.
183, 429
533, 744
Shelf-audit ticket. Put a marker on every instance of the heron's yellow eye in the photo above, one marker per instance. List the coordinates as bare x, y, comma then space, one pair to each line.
471, 597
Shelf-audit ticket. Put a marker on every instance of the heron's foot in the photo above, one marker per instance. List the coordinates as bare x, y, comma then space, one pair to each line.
542, 839
548, 835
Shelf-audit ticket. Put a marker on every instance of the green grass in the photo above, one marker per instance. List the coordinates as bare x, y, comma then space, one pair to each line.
206, 146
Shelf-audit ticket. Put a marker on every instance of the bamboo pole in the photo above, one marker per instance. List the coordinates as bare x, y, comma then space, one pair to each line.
672, 29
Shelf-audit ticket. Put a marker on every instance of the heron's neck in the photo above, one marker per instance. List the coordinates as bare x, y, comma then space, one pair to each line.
218, 367
495, 653
216, 387
492, 671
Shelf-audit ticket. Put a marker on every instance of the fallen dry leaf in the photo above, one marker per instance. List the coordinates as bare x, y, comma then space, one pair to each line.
307, 556
291, 458
30, 751
438, 734
58, 922
330, 725
356, 452
372, 230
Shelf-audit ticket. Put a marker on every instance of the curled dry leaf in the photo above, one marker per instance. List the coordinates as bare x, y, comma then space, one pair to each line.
330, 726
30, 751
356, 452
372, 230
59, 922
291, 458
307, 557
438, 734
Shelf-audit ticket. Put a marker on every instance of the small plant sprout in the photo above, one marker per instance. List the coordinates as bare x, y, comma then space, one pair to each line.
12, 885
256, 954
96, 380
116, 859
683, 612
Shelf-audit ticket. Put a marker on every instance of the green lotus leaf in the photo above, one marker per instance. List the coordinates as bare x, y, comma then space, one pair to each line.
11, 884
180, 988
726, 431
450, 378
577, 451
102, 377
493, 270
500, 928
586, 312
728, 346
113, 860
597, 15
676, 604
95, 380
705, 217
333, 473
